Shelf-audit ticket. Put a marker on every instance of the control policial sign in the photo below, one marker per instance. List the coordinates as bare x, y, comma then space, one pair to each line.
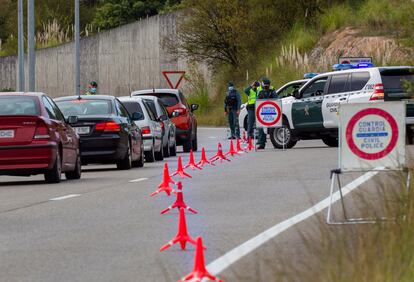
268, 113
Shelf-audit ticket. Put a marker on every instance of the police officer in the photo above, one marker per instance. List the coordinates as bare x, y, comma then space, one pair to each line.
266, 93
92, 88
251, 93
232, 104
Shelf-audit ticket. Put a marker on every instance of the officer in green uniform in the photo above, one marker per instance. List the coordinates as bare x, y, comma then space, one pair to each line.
251, 93
266, 93
92, 88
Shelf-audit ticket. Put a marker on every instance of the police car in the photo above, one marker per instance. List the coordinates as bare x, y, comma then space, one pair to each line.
312, 111
284, 91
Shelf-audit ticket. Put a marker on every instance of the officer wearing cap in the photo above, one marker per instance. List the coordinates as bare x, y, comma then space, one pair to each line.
92, 88
251, 93
266, 93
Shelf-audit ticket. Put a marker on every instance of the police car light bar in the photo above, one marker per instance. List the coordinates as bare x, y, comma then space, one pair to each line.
339, 67
310, 75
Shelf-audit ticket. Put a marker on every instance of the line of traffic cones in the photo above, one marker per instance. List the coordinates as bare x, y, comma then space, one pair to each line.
182, 237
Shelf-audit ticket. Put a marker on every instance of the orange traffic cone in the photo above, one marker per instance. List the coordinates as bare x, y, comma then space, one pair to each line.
219, 156
165, 184
180, 170
204, 159
182, 236
238, 147
191, 163
199, 271
179, 203
231, 151
250, 144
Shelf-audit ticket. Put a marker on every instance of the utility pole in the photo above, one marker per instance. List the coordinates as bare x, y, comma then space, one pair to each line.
77, 49
31, 45
20, 80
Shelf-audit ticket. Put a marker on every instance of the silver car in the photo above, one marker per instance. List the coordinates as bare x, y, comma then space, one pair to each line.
157, 107
152, 132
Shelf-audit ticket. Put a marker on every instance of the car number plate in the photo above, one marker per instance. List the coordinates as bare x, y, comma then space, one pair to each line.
6, 134
82, 130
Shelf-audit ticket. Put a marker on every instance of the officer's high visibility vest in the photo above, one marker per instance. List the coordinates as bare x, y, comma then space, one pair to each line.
260, 88
252, 97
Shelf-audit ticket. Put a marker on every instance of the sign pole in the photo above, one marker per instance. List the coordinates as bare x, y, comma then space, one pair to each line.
21, 82
31, 45
77, 49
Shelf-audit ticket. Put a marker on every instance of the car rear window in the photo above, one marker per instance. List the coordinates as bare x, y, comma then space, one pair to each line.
168, 99
85, 107
133, 107
394, 79
19, 105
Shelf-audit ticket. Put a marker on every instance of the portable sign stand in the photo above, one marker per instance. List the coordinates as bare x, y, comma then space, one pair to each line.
268, 115
371, 138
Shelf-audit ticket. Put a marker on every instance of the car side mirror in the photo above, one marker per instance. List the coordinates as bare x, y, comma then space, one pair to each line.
137, 116
72, 119
194, 107
296, 94
175, 114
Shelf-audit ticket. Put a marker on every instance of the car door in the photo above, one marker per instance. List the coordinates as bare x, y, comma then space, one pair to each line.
128, 126
157, 126
337, 93
307, 110
63, 132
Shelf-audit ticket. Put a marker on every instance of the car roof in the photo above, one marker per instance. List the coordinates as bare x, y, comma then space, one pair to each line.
149, 97
86, 97
361, 70
152, 91
31, 94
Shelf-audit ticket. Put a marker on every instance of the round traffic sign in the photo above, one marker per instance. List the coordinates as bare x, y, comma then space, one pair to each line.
268, 113
372, 134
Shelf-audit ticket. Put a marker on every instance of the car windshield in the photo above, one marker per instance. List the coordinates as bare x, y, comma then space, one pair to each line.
133, 107
18, 105
85, 107
168, 99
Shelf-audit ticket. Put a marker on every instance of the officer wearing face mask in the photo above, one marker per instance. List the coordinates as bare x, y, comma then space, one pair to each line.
92, 88
266, 93
232, 104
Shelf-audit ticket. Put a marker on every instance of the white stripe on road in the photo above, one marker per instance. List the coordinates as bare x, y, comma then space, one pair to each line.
65, 197
137, 180
212, 137
249, 246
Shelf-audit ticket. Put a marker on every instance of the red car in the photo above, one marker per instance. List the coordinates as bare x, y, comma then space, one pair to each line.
35, 138
185, 121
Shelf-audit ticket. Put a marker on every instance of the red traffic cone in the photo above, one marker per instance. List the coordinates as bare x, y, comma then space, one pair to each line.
191, 163
179, 203
199, 271
250, 144
165, 184
219, 155
238, 147
204, 159
244, 138
231, 151
182, 236
180, 170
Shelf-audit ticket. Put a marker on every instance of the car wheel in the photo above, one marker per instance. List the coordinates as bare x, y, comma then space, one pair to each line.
77, 172
54, 175
167, 152
282, 137
173, 150
150, 155
187, 146
126, 162
159, 156
195, 143
140, 162
330, 141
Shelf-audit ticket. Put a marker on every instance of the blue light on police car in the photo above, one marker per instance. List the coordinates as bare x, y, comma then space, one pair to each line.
339, 67
310, 75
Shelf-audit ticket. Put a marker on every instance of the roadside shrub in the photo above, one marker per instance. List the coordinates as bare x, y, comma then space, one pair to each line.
335, 18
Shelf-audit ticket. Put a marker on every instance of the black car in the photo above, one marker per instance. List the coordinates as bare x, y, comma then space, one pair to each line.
107, 131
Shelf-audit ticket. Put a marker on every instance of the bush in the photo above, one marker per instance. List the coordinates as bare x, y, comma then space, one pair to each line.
335, 18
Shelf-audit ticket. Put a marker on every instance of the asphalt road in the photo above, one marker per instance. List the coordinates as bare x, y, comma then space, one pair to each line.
106, 228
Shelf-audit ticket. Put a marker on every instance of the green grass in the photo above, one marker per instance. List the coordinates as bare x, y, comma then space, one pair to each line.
335, 18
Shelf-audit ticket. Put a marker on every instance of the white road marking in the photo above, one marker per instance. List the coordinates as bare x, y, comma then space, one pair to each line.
249, 246
137, 180
212, 137
65, 197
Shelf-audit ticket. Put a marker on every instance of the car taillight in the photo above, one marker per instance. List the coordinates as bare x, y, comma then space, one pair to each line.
146, 130
378, 92
42, 131
109, 126
182, 111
